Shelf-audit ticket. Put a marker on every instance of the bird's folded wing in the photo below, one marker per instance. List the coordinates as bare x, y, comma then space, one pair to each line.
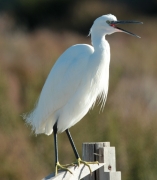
62, 82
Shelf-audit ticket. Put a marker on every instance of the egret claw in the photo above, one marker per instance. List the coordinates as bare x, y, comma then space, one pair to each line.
79, 161
68, 165
58, 165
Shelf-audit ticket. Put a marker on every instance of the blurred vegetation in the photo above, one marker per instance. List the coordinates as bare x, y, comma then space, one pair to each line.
129, 118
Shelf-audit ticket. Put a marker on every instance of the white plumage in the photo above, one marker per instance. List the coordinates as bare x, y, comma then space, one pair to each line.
79, 76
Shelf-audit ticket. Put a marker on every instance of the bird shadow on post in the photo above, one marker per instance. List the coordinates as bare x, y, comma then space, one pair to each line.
94, 151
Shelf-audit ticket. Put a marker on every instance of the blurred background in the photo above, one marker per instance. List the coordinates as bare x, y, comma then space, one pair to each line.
33, 34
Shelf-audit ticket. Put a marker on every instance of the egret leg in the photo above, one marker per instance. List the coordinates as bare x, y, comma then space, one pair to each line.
79, 160
72, 144
55, 142
57, 164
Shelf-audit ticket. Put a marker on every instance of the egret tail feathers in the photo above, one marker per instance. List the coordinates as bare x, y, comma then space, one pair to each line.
39, 126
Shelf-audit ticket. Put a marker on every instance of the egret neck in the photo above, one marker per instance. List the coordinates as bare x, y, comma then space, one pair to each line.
100, 61
98, 40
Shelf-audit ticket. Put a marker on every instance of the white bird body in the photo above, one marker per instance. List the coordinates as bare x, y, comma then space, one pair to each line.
71, 88
77, 79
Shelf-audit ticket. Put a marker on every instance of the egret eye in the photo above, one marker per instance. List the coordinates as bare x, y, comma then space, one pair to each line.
108, 22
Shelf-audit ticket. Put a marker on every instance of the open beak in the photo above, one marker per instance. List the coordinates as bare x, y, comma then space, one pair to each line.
114, 24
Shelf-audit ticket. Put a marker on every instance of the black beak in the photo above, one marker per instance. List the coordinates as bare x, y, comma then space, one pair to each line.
114, 23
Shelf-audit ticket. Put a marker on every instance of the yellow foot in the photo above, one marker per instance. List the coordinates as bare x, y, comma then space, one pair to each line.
60, 167
79, 161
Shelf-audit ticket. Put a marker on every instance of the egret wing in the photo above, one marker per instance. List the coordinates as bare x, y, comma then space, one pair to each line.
61, 84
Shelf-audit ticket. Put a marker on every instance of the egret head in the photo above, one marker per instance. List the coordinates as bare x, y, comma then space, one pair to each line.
107, 24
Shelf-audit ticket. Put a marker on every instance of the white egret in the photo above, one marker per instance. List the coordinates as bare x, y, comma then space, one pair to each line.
77, 79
